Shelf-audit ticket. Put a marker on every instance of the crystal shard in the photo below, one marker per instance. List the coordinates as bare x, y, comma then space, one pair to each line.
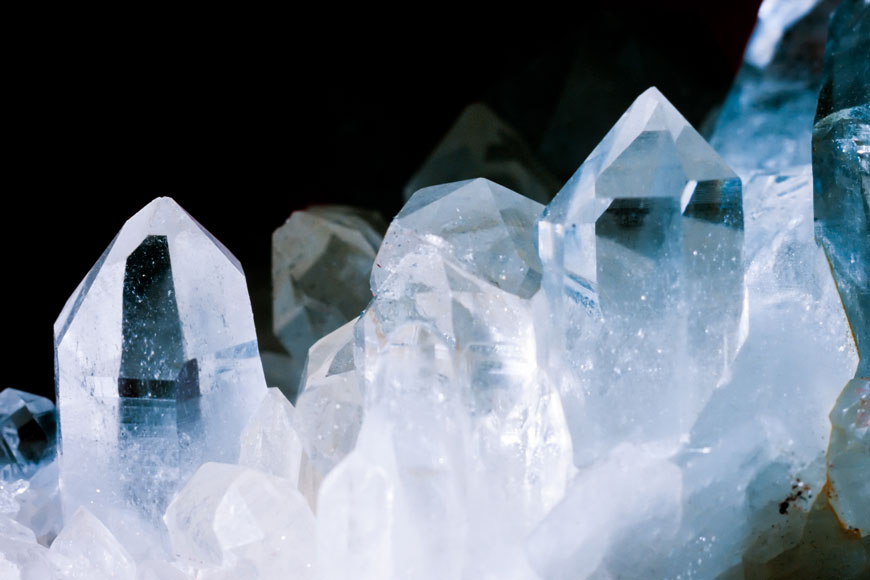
480, 144
321, 260
329, 406
642, 261
238, 522
157, 371
28, 433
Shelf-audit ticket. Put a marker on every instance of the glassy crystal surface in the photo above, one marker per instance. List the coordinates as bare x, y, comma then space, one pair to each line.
321, 261
157, 371
642, 255
28, 433
235, 520
766, 121
329, 406
480, 144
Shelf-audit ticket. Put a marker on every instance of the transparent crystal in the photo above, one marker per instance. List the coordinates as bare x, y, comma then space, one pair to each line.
480, 144
329, 406
643, 273
849, 456
235, 520
28, 433
157, 371
321, 261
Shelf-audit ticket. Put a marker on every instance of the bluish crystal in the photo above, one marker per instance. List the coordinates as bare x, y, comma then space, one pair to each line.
28, 427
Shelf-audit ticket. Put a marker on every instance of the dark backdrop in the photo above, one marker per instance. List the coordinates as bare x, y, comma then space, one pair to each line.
243, 118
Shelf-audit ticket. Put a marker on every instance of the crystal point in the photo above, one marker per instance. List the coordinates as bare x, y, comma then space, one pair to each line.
157, 370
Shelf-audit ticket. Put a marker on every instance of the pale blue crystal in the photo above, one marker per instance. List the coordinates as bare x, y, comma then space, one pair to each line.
28, 433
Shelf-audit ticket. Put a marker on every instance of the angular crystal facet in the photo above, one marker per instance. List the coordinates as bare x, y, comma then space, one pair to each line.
480, 144
87, 549
243, 523
642, 254
28, 433
329, 406
157, 370
321, 261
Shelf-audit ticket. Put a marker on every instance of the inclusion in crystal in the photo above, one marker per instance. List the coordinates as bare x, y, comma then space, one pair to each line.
237, 522
28, 433
480, 144
329, 405
157, 371
321, 261
642, 254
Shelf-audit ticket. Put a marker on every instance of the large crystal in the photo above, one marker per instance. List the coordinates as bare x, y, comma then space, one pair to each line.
471, 438
28, 433
157, 371
480, 144
321, 261
235, 522
643, 272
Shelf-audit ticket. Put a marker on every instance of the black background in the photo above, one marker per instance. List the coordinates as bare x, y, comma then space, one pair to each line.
243, 118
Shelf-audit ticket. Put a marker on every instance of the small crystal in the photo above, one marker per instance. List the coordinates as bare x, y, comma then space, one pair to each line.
247, 522
28, 433
329, 406
321, 261
87, 550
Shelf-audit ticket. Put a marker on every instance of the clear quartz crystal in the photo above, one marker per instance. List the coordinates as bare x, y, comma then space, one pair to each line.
86, 549
643, 272
157, 371
321, 261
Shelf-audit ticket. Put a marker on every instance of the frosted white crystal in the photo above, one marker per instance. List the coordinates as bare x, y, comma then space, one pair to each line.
643, 272
87, 550
480, 144
329, 405
321, 260
244, 522
271, 443
158, 370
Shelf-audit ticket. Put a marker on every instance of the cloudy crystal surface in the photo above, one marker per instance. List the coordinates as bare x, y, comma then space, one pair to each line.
157, 371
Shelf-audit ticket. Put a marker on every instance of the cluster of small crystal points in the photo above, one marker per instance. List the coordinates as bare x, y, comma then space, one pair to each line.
664, 373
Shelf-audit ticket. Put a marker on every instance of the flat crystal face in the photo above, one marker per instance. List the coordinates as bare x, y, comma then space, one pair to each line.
157, 371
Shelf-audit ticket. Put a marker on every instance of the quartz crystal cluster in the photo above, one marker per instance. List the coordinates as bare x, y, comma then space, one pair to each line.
663, 373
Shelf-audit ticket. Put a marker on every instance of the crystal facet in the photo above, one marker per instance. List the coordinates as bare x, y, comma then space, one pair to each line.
158, 371
28, 433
